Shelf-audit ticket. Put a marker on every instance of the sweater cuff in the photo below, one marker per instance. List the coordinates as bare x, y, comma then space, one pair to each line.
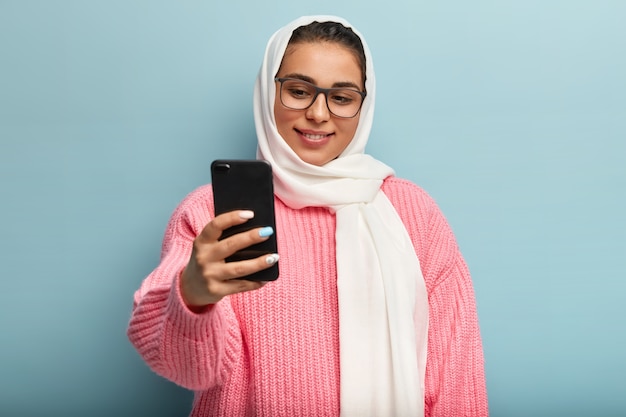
192, 325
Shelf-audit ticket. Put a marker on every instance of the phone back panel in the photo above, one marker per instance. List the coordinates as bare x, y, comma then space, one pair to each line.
247, 185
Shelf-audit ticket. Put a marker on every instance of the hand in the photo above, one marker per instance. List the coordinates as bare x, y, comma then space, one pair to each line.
208, 278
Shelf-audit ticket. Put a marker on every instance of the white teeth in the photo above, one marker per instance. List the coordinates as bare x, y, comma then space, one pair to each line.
314, 137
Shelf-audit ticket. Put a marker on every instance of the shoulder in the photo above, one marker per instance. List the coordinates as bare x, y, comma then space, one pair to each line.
405, 195
397, 183
427, 226
200, 198
192, 213
413, 204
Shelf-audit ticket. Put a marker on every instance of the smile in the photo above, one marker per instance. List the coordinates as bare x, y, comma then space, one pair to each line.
314, 136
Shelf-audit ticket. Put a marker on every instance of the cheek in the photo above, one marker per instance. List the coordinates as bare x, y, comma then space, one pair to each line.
285, 120
348, 131
280, 121
351, 126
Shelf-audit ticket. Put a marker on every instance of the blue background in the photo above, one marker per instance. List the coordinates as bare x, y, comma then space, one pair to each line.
511, 114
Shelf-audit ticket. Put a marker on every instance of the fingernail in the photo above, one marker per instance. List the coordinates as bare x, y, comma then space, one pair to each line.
272, 259
266, 231
246, 214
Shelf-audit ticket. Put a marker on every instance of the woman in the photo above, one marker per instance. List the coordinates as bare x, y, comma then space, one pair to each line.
373, 313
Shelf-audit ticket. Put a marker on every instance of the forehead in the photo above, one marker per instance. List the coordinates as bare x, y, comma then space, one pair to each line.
322, 61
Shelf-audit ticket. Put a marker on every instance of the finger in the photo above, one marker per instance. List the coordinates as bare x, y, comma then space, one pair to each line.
211, 290
229, 279
221, 279
233, 271
213, 230
234, 243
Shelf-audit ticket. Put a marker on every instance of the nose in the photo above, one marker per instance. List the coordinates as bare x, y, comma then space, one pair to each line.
318, 111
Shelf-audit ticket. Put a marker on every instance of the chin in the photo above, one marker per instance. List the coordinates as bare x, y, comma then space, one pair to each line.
315, 162
318, 160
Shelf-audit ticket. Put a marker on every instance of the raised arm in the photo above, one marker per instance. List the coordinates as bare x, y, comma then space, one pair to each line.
182, 322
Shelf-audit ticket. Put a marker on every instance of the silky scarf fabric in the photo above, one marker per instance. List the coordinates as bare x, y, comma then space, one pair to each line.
383, 305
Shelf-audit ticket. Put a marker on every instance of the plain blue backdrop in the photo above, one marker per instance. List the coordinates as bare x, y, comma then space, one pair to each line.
511, 114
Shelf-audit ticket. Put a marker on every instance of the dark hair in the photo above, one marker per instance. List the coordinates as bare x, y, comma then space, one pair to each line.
331, 32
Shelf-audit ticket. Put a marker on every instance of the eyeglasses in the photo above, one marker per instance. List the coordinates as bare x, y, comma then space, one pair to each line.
297, 94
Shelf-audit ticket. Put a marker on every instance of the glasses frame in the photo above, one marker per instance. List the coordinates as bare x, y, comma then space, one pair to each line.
318, 91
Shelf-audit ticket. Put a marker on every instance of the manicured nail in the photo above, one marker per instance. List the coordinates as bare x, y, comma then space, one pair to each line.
272, 259
246, 214
266, 231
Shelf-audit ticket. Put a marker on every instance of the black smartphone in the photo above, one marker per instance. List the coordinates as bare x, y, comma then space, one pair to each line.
247, 185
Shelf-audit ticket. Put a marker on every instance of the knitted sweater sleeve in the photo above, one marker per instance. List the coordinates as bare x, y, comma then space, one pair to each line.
455, 377
193, 350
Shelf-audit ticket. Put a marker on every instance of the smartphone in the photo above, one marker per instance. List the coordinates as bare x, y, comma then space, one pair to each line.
247, 185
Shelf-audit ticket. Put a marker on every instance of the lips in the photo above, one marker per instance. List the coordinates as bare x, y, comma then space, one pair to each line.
313, 136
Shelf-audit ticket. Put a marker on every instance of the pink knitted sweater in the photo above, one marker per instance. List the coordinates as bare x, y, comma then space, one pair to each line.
275, 351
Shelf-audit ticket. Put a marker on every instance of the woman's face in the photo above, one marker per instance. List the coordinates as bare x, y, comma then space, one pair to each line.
316, 135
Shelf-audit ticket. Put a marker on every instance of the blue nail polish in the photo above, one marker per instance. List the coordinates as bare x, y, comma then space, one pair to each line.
266, 231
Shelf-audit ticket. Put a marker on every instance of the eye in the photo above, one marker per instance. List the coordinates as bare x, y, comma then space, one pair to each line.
344, 97
298, 89
299, 93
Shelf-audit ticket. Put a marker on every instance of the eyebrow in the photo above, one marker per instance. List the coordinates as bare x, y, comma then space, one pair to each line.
339, 84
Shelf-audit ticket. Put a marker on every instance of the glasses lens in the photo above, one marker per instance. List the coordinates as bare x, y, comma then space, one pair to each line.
299, 95
344, 102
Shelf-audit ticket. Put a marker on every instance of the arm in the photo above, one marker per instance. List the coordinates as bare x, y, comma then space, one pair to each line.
455, 379
193, 350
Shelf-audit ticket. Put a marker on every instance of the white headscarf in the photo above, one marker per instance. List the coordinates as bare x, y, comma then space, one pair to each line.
383, 305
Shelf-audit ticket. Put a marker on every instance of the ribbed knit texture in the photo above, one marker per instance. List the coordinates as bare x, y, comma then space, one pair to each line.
275, 352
